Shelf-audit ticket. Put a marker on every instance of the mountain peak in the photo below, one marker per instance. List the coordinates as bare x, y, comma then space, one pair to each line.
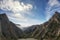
3, 17
9, 30
55, 17
56, 14
2, 14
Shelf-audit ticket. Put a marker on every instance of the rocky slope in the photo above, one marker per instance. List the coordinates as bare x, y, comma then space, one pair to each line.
9, 31
50, 30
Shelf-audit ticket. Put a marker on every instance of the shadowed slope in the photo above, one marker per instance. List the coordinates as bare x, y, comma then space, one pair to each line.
8, 29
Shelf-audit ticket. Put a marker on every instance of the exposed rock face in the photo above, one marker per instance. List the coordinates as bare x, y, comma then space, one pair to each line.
50, 30
31, 30
9, 31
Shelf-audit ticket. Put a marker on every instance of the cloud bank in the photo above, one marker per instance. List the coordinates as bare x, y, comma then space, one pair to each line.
52, 6
18, 11
14, 6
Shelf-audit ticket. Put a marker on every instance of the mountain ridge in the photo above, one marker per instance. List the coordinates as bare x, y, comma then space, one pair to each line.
9, 30
49, 30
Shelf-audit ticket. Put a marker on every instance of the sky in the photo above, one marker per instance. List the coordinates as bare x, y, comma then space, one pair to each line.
29, 12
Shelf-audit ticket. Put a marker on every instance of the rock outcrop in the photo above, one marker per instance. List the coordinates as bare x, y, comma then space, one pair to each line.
49, 30
8, 30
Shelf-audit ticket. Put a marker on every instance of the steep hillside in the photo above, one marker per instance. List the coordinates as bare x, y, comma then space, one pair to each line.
9, 31
50, 30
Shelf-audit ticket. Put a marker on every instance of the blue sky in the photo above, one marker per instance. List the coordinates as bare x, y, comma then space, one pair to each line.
29, 12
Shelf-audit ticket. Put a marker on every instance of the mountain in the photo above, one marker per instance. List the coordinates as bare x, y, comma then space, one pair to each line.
8, 30
49, 30
29, 31
52, 30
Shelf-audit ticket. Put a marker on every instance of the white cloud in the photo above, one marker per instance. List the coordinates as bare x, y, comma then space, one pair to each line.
49, 9
14, 6
53, 2
30, 22
19, 10
26, 22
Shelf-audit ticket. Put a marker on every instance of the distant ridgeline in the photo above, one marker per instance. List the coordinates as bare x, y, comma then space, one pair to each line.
49, 30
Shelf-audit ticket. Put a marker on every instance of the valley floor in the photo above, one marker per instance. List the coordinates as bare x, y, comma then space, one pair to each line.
28, 39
